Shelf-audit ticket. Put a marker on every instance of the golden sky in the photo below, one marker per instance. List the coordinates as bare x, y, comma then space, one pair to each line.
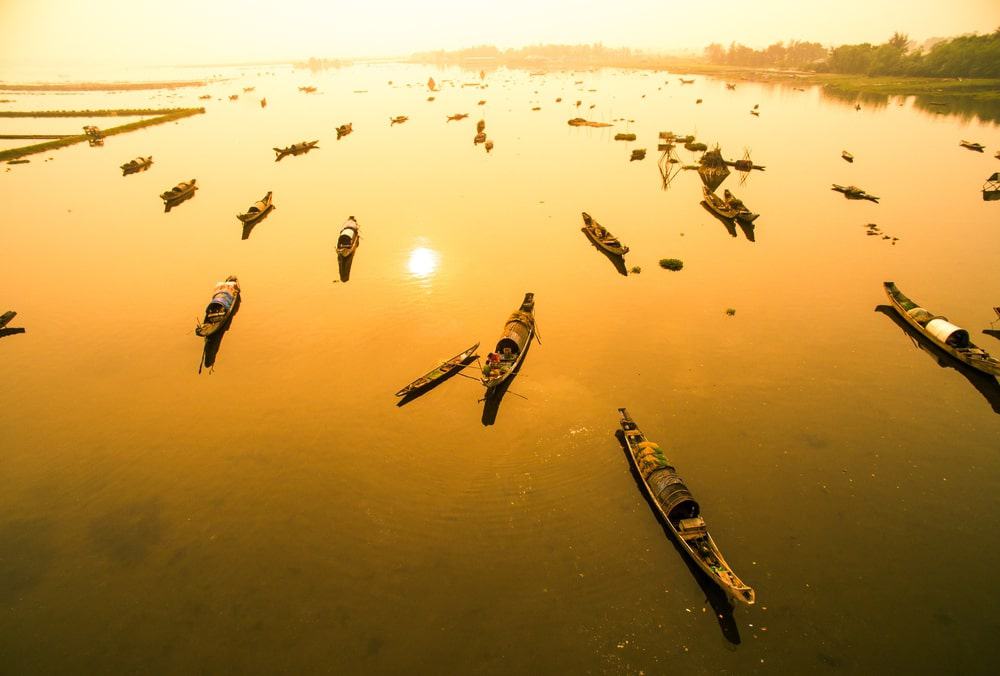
217, 31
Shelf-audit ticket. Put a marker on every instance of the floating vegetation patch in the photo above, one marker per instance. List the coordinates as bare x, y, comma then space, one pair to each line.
635, 270
674, 264
730, 311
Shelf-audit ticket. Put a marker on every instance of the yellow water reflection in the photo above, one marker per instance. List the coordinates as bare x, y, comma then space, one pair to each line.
423, 262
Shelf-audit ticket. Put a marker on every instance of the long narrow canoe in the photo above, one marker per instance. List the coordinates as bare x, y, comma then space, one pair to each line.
743, 214
438, 372
224, 298
601, 237
350, 237
179, 191
138, 164
717, 204
295, 148
679, 510
950, 338
517, 335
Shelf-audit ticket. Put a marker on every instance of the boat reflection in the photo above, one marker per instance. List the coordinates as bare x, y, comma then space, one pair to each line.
985, 384
747, 229
714, 595
214, 342
344, 265
617, 261
727, 222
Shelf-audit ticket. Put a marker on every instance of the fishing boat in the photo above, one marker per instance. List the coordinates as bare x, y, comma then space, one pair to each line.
138, 164
295, 148
730, 85
978, 147
517, 335
683, 81
179, 191
854, 192
601, 237
347, 243
344, 129
439, 372
257, 211
308, 89
457, 116
743, 214
399, 119
847, 156
991, 189
717, 204
950, 338
224, 298
479, 138
679, 510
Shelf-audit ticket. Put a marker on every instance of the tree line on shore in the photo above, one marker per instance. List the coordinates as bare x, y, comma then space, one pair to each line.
963, 56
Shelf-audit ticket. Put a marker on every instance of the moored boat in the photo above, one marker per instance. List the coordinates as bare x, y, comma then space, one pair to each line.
224, 298
978, 147
295, 148
138, 164
853, 192
347, 242
743, 214
517, 335
438, 372
991, 189
717, 204
179, 191
257, 211
344, 129
847, 156
950, 338
601, 237
679, 510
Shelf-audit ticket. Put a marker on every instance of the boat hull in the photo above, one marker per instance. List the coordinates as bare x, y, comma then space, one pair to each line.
436, 374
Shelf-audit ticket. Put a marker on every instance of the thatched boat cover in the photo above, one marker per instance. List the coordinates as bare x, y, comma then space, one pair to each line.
665, 484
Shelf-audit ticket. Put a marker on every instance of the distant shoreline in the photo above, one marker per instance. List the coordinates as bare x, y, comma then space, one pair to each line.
98, 86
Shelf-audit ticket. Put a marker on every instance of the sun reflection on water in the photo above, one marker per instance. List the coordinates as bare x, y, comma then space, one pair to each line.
423, 262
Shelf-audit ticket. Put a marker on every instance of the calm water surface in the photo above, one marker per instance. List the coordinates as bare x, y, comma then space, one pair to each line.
282, 514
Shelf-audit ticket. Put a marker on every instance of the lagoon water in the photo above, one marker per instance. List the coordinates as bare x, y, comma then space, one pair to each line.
280, 514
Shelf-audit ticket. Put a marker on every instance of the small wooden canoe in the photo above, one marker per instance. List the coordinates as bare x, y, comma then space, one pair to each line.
743, 214
601, 237
438, 372
517, 335
344, 129
847, 156
179, 191
680, 511
854, 192
399, 119
347, 242
220, 308
479, 138
257, 211
309, 89
978, 147
717, 204
6, 318
138, 164
683, 81
457, 116
950, 338
991, 188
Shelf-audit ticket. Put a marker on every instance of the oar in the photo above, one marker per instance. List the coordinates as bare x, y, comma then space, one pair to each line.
537, 334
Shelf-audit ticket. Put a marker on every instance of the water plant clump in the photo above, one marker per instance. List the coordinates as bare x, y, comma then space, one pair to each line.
674, 264
730, 311
635, 270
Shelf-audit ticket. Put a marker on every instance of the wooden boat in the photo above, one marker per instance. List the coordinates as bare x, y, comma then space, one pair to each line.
488, 146
854, 192
399, 119
601, 237
730, 85
991, 189
179, 191
6, 318
683, 81
847, 156
517, 335
349, 238
138, 164
479, 138
680, 511
621, 136
717, 204
344, 129
439, 372
978, 147
638, 154
248, 89
457, 116
234, 97
309, 89
950, 338
257, 211
295, 148
743, 214
224, 298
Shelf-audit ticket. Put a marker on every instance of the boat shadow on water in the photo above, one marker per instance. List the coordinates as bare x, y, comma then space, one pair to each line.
214, 342
248, 227
727, 222
344, 266
714, 595
985, 384
617, 261
437, 383
491, 402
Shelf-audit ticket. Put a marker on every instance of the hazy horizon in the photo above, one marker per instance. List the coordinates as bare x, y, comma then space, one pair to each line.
104, 32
